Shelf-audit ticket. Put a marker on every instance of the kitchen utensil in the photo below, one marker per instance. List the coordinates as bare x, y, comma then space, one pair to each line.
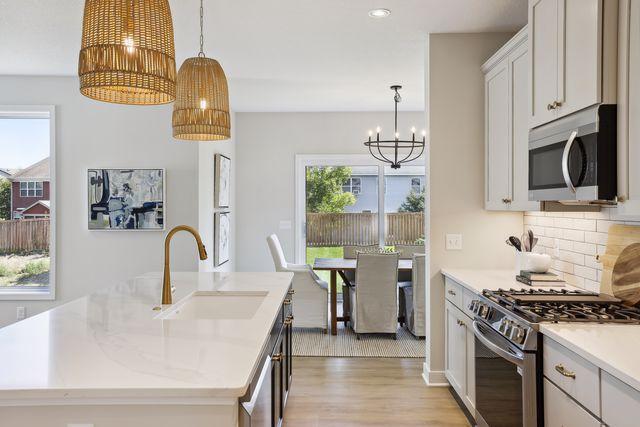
525, 243
515, 242
625, 279
532, 241
620, 236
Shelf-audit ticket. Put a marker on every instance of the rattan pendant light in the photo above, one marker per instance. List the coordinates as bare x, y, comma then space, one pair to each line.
128, 54
201, 110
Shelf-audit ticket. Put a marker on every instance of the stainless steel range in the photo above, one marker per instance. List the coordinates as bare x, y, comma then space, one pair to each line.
508, 347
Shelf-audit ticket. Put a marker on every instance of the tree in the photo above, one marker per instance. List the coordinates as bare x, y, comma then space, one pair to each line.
324, 189
5, 199
413, 203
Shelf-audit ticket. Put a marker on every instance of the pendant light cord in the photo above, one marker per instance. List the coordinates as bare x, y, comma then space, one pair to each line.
201, 54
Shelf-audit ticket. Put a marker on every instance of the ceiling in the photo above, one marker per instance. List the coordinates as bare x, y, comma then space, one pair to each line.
279, 55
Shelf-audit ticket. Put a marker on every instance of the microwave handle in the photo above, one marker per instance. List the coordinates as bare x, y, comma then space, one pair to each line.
565, 161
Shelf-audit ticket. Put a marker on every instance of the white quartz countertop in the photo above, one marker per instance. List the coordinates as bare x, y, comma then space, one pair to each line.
111, 345
613, 348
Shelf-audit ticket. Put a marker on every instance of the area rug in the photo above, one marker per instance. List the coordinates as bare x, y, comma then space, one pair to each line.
314, 343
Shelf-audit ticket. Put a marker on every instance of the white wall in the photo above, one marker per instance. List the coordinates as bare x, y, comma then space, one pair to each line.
266, 147
207, 152
455, 104
94, 134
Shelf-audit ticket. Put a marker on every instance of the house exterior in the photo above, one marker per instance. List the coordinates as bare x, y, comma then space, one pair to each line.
398, 185
5, 173
30, 189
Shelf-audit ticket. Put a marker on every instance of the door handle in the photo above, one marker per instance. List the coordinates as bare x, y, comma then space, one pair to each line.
565, 161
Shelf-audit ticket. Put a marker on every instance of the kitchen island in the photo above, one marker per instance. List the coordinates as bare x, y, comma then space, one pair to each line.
118, 358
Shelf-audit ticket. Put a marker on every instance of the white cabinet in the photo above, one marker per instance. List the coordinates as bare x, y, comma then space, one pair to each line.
618, 402
629, 109
562, 411
573, 47
460, 354
506, 127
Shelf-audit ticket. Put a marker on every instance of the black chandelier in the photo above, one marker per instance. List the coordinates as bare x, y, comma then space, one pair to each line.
394, 151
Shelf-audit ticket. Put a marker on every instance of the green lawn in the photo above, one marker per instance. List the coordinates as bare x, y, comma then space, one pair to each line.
333, 252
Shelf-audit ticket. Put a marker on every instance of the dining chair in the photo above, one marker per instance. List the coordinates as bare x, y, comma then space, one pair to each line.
311, 293
412, 296
351, 252
405, 277
374, 295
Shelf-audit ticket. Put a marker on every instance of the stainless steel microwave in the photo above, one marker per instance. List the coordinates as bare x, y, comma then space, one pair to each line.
573, 159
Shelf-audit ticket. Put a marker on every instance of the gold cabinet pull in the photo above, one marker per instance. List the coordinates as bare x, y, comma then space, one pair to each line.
451, 292
288, 321
287, 301
551, 106
557, 104
291, 292
277, 357
563, 371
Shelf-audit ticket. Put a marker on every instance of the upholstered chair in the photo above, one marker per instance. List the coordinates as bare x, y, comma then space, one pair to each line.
311, 293
412, 296
374, 296
405, 277
351, 252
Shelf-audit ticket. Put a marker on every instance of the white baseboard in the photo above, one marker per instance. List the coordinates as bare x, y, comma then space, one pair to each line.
434, 378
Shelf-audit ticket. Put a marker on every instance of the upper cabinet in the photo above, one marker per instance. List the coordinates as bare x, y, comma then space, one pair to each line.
573, 46
629, 109
506, 127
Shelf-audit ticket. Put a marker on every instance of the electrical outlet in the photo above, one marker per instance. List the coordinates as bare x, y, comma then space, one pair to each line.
21, 313
454, 242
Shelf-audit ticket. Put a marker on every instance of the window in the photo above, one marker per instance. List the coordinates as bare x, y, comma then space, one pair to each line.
416, 185
31, 189
352, 185
27, 203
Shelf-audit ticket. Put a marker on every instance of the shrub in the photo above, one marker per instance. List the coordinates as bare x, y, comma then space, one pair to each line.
4, 271
36, 267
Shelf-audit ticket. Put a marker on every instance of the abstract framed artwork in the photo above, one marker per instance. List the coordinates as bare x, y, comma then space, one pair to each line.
222, 181
126, 199
222, 231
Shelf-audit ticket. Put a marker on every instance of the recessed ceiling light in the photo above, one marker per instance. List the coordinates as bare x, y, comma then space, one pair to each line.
379, 13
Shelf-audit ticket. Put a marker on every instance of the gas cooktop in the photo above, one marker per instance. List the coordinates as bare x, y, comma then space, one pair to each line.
552, 305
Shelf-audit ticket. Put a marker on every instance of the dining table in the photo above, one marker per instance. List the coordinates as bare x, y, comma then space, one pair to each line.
338, 266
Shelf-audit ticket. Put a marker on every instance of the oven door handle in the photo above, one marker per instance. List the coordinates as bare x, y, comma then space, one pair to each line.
565, 161
516, 359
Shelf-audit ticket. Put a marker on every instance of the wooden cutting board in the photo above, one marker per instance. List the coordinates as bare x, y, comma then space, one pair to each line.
620, 237
625, 278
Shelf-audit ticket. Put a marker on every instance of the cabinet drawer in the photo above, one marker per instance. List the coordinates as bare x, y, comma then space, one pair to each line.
453, 292
467, 297
561, 411
581, 379
620, 403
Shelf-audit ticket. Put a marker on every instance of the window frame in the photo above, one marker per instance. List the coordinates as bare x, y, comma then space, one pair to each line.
350, 185
35, 189
38, 112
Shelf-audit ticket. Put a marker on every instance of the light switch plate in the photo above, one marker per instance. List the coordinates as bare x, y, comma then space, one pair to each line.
21, 313
454, 242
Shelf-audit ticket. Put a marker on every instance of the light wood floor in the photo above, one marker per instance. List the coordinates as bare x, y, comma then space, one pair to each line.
331, 392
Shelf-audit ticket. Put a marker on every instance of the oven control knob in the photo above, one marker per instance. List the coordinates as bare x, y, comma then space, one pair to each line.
503, 326
508, 328
518, 335
483, 311
473, 305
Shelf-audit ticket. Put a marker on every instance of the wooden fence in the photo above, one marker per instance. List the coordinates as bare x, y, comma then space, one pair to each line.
327, 229
24, 235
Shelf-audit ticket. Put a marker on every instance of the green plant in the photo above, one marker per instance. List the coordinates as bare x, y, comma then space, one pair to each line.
4, 271
324, 189
413, 203
5, 199
34, 268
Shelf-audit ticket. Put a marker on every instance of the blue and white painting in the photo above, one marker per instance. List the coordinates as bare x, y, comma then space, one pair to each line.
126, 199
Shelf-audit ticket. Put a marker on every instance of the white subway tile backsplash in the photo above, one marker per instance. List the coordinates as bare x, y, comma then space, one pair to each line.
586, 272
595, 237
573, 239
575, 235
572, 257
585, 248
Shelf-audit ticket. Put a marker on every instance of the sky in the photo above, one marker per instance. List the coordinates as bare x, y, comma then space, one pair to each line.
23, 142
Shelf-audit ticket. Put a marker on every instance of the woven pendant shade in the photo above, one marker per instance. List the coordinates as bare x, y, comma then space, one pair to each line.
201, 110
127, 54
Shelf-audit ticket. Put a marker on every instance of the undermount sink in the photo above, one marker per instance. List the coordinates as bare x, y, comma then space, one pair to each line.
217, 305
